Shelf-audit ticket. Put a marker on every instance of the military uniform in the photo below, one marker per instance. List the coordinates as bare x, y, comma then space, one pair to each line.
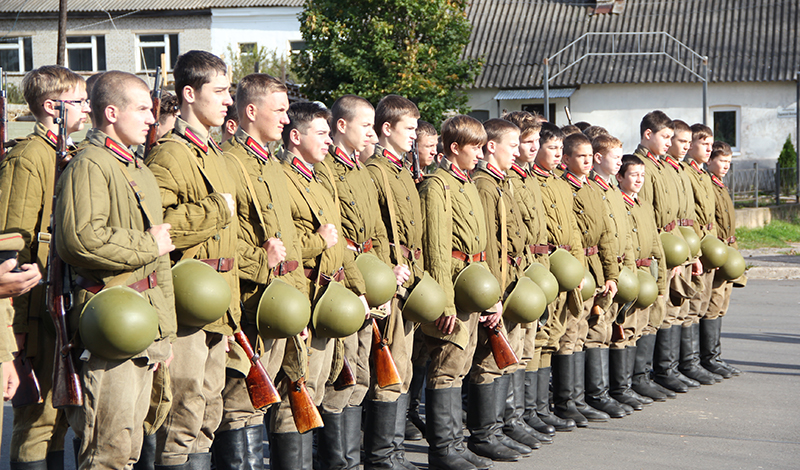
685, 218
8, 345
193, 175
704, 196
26, 194
101, 233
725, 222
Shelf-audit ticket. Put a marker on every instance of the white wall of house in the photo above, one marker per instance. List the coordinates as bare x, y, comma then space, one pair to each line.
269, 27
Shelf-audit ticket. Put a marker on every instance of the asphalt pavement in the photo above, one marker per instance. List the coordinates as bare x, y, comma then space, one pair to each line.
747, 422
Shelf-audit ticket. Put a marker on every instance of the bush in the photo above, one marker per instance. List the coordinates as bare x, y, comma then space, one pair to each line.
14, 94
269, 62
788, 156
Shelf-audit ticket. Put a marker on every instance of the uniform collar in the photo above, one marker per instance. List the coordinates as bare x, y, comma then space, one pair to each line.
693, 164
673, 163
717, 181
387, 154
600, 181
46, 134
101, 139
340, 156
519, 170
629, 200
541, 171
252, 146
487, 167
183, 129
298, 165
648, 154
448, 166
574, 180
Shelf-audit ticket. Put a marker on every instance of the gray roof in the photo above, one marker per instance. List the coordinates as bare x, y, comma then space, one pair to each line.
50, 6
745, 40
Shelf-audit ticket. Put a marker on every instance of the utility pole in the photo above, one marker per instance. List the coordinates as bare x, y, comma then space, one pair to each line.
61, 51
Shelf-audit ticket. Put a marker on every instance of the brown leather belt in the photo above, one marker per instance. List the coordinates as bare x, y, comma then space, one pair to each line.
324, 279
469, 258
730, 240
285, 268
686, 222
621, 258
539, 249
551, 248
646, 262
592, 250
669, 227
139, 286
408, 254
222, 265
516, 262
707, 227
359, 247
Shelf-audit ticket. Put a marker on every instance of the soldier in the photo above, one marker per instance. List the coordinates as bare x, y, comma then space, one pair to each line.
427, 140
454, 236
168, 113
268, 249
26, 194
317, 220
113, 237
197, 199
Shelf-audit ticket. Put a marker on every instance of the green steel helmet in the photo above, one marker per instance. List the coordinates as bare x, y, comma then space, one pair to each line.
627, 286
648, 289
734, 267
676, 251
714, 252
426, 301
338, 312
692, 239
283, 311
544, 279
589, 286
379, 278
118, 323
525, 303
202, 295
476, 289
567, 270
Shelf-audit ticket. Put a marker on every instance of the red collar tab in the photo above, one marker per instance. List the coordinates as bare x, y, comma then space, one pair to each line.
518, 169
460, 175
628, 200
717, 181
390, 156
653, 158
601, 182
52, 137
672, 162
118, 149
540, 171
302, 169
339, 153
573, 180
257, 149
694, 165
216, 145
495, 172
193, 138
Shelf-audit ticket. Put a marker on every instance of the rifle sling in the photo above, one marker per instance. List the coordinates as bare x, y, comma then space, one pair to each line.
391, 323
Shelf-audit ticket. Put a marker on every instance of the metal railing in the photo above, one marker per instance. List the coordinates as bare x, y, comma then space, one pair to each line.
761, 184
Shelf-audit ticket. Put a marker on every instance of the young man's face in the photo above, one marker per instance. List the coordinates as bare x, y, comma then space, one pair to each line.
609, 163
369, 150
701, 149
658, 142
426, 146
720, 165
271, 115
506, 150
133, 122
549, 154
314, 143
681, 141
76, 112
528, 146
357, 133
580, 162
467, 156
402, 135
211, 101
633, 179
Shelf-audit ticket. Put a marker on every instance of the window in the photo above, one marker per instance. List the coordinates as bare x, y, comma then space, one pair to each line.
86, 53
151, 46
726, 126
248, 49
297, 46
481, 115
539, 108
16, 54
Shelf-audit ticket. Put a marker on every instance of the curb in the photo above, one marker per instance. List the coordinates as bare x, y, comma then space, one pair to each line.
767, 272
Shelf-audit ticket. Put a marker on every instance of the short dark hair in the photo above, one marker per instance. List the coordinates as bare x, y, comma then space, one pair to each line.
627, 162
655, 121
424, 128
300, 116
573, 141
680, 126
346, 108
527, 122
232, 113
720, 149
255, 86
550, 132
463, 130
701, 131
569, 129
392, 108
47, 83
169, 104
497, 128
582, 125
603, 143
592, 132
110, 90
195, 69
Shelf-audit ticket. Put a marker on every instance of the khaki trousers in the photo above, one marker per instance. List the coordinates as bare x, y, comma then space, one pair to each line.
402, 348
698, 305
449, 363
576, 329
530, 358
484, 366
549, 336
357, 348
601, 328
720, 299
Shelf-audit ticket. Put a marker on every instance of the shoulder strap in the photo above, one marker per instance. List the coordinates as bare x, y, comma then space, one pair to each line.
392, 218
253, 195
333, 182
503, 239
139, 196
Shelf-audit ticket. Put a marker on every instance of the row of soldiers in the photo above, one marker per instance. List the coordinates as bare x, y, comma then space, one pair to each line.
469, 246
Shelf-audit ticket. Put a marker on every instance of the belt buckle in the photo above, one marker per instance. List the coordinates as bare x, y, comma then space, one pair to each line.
152, 280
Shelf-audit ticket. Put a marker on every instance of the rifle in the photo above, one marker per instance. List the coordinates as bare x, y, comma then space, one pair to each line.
503, 354
416, 171
385, 368
152, 134
3, 114
28, 392
305, 413
259, 386
569, 115
67, 390
346, 377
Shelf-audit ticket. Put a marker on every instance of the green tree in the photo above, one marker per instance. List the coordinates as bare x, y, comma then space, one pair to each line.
413, 48
788, 156
243, 62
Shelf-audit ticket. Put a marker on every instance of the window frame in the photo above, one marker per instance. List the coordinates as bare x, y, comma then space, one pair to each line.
737, 126
165, 43
21, 57
92, 45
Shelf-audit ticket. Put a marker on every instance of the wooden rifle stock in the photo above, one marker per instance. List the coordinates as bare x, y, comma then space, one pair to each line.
305, 413
3, 114
260, 387
28, 391
503, 354
152, 133
346, 377
67, 389
385, 368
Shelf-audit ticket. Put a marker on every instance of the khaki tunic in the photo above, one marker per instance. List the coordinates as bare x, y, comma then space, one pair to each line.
661, 188
725, 223
704, 225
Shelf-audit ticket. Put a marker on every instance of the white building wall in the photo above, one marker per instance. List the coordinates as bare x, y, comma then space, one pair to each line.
271, 28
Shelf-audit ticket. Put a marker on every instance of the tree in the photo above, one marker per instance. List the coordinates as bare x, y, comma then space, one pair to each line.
370, 48
243, 62
788, 156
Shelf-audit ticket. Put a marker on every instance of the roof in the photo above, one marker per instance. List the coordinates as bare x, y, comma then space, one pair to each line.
533, 94
745, 40
50, 6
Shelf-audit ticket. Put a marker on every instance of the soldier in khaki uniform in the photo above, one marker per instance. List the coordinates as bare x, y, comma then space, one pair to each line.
268, 249
112, 236
197, 195
317, 219
454, 236
26, 194
711, 324
563, 232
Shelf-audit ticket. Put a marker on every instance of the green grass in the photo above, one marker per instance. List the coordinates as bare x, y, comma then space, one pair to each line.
778, 234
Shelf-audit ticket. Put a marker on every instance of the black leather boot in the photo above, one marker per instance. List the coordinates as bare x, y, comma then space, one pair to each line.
511, 424
379, 435
441, 427
597, 380
147, 456
564, 388
690, 357
351, 427
199, 461
76, 451
398, 451
665, 360
484, 425
229, 449
734, 371
459, 418
35, 465
709, 337
330, 442
620, 380
515, 406
675, 340
642, 366
530, 416
579, 391
631, 357
415, 427
543, 403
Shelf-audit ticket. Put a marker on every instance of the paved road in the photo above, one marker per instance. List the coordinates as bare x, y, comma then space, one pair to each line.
748, 422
